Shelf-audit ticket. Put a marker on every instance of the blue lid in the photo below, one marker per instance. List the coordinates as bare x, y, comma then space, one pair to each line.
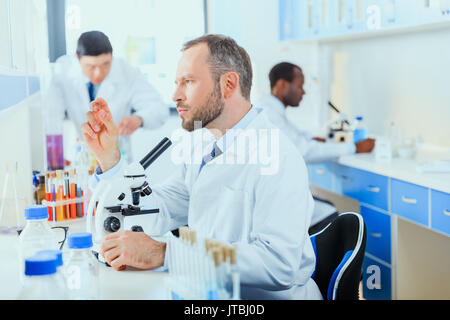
359, 118
56, 253
39, 265
36, 212
80, 240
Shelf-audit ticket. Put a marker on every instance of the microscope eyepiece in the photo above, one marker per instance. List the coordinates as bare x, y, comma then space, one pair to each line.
155, 153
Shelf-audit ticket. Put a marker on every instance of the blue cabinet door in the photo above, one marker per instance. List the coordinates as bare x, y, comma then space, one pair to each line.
440, 211
376, 281
410, 201
378, 227
321, 176
364, 186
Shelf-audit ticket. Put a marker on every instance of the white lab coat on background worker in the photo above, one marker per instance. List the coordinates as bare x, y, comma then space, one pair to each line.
265, 216
312, 151
125, 88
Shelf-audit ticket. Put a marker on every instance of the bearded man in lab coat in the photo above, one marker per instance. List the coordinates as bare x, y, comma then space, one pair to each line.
286, 83
94, 72
264, 214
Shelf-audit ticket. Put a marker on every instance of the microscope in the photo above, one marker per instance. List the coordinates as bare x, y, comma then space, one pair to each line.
338, 130
116, 199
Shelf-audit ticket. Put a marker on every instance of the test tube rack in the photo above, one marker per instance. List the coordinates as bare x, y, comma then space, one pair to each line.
65, 195
201, 269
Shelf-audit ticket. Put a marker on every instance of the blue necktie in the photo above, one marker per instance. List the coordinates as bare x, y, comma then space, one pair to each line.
91, 91
210, 156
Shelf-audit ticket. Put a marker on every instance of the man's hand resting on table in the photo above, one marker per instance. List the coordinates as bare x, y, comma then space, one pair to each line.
102, 135
134, 249
365, 146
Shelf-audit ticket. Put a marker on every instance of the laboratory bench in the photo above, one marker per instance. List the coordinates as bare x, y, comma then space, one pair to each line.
407, 217
130, 284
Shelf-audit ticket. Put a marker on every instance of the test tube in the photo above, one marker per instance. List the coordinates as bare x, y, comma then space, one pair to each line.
48, 195
66, 194
217, 260
236, 295
59, 185
53, 192
73, 194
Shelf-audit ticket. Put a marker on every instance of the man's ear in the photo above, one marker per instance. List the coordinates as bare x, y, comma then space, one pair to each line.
229, 84
282, 86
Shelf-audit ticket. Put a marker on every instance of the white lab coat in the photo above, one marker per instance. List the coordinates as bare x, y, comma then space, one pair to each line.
311, 150
124, 88
265, 216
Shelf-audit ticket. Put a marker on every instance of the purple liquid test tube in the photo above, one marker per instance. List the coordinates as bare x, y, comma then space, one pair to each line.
55, 152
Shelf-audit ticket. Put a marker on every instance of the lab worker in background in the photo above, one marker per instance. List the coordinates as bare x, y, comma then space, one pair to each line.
286, 84
95, 72
264, 214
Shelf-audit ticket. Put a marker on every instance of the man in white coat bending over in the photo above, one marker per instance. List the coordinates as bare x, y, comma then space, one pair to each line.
286, 85
263, 208
94, 72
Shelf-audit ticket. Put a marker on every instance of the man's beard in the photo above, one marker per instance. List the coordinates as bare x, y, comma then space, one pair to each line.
202, 115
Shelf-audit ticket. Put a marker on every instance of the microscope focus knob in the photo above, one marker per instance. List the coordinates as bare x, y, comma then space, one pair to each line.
112, 224
121, 197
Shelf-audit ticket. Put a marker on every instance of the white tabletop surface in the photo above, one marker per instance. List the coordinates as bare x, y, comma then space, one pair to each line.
404, 169
130, 284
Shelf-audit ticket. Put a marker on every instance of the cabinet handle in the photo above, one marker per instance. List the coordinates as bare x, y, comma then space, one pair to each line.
375, 235
373, 189
446, 212
320, 171
410, 201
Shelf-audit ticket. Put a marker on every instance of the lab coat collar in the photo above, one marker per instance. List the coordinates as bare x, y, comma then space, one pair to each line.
228, 138
275, 104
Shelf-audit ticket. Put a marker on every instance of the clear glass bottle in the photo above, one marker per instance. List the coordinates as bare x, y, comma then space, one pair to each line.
41, 281
37, 234
81, 268
59, 265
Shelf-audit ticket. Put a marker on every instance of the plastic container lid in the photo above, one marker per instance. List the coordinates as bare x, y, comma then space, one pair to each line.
39, 265
36, 212
56, 253
359, 118
80, 240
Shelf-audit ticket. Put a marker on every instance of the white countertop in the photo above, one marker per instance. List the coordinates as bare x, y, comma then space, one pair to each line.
404, 169
130, 284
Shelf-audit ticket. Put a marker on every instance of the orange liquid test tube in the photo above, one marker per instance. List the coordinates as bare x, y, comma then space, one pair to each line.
66, 194
73, 195
59, 196
48, 195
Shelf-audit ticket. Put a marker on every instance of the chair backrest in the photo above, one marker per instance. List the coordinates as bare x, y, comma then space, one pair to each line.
340, 249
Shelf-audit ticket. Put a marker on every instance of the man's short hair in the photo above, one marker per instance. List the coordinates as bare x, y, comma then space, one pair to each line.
283, 70
225, 55
93, 43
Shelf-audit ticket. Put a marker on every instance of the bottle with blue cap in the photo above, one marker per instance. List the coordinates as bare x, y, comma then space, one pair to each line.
41, 281
37, 234
59, 264
81, 268
360, 133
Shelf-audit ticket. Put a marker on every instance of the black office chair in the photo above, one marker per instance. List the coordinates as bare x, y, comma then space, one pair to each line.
339, 250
